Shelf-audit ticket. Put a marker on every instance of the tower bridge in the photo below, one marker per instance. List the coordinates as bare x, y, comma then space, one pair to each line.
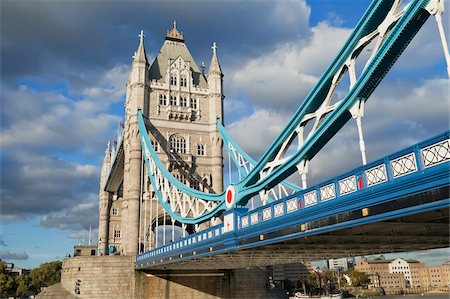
163, 206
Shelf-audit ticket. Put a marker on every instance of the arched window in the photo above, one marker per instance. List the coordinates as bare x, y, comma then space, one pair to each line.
200, 150
194, 103
173, 79
183, 101
162, 100
173, 100
178, 144
115, 212
183, 81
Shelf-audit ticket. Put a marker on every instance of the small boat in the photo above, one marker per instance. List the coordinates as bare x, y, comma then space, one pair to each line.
299, 295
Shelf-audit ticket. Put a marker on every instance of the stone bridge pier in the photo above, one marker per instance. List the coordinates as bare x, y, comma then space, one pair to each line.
109, 277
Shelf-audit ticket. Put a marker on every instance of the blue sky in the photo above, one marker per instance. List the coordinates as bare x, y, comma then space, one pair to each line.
63, 72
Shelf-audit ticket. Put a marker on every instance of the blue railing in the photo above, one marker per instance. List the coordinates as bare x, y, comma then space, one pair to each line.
401, 165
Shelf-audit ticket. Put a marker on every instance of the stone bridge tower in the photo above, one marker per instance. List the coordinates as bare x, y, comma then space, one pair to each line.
181, 104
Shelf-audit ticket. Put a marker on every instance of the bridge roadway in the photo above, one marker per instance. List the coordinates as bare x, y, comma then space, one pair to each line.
398, 203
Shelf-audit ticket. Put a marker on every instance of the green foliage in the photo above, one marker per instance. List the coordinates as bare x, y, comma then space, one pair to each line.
357, 278
2, 267
46, 274
23, 285
7, 284
312, 280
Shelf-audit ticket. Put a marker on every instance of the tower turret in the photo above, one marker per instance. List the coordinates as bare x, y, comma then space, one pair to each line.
215, 75
137, 97
215, 87
104, 204
137, 84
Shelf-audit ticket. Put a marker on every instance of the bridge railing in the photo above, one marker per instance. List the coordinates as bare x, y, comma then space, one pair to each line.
398, 166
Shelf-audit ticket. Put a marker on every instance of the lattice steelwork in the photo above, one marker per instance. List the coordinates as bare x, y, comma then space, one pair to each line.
244, 221
376, 175
291, 205
183, 203
267, 213
278, 209
327, 192
347, 185
310, 198
404, 165
436, 153
254, 218
245, 165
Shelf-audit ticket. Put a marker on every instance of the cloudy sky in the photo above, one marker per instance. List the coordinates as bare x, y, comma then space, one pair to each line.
63, 71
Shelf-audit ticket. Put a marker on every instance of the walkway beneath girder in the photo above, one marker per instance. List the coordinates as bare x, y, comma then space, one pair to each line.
427, 229
418, 232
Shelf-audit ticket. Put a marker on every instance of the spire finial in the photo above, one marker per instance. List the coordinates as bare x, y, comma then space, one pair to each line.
174, 34
214, 47
141, 36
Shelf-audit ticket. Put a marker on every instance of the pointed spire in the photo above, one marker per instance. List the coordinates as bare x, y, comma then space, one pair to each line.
105, 166
139, 55
107, 158
214, 67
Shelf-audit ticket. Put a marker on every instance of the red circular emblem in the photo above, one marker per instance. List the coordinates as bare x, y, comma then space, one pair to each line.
229, 196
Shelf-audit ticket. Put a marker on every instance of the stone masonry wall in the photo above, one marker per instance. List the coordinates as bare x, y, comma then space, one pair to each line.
241, 283
99, 276
110, 277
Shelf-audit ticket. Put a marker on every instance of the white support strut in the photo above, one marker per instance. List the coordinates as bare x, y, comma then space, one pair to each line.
436, 8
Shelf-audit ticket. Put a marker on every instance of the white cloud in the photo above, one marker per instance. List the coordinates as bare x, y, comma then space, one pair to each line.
256, 132
40, 118
291, 13
110, 86
281, 79
37, 185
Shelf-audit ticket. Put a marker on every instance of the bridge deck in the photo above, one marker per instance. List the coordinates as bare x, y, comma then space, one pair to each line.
378, 208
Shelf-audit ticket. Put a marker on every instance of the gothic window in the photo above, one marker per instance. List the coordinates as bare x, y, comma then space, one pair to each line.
114, 212
183, 81
173, 80
155, 145
194, 103
162, 100
183, 101
178, 144
116, 233
200, 150
173, 100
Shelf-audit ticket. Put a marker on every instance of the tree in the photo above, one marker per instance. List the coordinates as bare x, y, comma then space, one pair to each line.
357, 278
46, 274
7, 284
23, 285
